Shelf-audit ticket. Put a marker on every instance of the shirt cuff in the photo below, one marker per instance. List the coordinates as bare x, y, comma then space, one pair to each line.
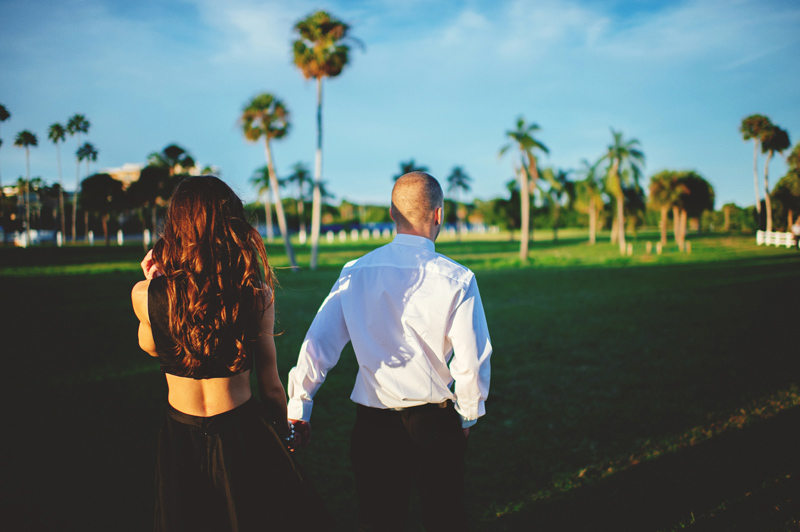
297, 409
465, 424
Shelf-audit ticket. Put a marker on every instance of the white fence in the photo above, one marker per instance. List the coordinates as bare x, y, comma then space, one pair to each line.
774, 239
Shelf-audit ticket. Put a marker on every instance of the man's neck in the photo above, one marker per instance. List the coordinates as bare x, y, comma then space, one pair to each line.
430, 235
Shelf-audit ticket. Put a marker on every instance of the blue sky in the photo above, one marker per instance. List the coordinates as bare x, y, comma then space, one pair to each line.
439, 81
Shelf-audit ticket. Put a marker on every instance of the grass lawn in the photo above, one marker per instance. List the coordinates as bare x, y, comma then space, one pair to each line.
628, 393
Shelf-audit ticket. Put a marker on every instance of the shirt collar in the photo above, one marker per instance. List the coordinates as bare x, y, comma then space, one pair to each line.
414, 241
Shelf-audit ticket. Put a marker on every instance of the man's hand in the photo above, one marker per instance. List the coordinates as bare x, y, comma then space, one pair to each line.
149, 266
302, 433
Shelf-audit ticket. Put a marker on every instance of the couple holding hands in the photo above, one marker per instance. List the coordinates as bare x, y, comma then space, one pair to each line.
206, 310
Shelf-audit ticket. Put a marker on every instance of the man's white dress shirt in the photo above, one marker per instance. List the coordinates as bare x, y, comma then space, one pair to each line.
408, 311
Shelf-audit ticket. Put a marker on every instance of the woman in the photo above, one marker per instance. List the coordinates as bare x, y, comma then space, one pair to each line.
206, 311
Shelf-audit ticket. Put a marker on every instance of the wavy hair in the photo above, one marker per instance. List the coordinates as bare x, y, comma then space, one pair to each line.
210, 256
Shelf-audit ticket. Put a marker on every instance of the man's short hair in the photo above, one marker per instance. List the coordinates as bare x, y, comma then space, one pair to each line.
415, 198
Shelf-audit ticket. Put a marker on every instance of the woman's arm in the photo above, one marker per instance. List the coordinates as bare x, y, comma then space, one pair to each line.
139, 300
270, 387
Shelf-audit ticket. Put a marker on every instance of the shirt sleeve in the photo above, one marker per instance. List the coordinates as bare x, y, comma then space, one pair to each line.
320, 351
472, 349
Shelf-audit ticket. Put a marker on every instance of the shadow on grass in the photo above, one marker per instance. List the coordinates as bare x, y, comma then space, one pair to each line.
759, 463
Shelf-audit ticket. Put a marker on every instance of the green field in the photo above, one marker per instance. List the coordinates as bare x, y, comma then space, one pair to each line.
628, 393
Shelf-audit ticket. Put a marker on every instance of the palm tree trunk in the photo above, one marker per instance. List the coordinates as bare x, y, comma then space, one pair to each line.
755, 173
316, 206
683, 229
301, 213
273, 179
61, 194
592, 222
525, 206
621, 223
676, 224
104, 218
75, 195
614, 230
268, 215
27, 197
86, 224
663, 224
767, 199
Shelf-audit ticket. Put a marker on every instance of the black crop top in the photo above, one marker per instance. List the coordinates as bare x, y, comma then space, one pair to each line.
158, 311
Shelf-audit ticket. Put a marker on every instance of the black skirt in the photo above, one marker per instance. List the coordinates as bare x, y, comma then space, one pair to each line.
230, 472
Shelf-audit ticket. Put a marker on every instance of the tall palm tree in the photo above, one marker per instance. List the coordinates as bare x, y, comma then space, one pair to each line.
301, 177
625, 162
753, 127
87, 153
321, 51
408, 167
589, 196
4, 115
522, 139
76, 125
261, 181
457, 182
57, 134
266, 116
773, 140
25, 139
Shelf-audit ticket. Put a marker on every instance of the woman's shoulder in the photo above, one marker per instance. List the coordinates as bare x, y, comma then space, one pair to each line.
139, 299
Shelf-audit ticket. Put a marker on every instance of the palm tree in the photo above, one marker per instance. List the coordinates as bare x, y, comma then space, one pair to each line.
624, 164
25, 139
773, 140
753, 127
697, 196
408, 167
321, 51
102, 194
154, 185
457, 182
560, 188
4, 115
301, 176
57, 134
76, 125
172, 157
266, 116
522, 139
261, 181
666, 189
87, 153
589, 196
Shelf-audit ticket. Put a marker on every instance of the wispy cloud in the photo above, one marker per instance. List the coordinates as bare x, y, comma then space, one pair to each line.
250, 31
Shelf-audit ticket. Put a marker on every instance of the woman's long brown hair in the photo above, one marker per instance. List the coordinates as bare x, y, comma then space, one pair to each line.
210, 255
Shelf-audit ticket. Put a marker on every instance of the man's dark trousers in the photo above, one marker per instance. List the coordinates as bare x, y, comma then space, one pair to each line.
390, 448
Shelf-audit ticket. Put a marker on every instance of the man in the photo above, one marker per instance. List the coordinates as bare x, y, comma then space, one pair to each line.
408, 312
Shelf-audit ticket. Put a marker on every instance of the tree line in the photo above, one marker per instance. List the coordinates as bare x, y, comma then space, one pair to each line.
607, 191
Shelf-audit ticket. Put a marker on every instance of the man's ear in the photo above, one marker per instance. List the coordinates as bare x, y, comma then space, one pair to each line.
438, 215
